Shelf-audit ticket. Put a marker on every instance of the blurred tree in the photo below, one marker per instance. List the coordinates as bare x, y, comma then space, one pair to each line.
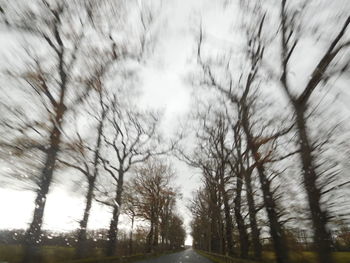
177, 233
133, 140
245, 104
326, 68
51, 77
129, 208
87, 160
82, 41
152, 184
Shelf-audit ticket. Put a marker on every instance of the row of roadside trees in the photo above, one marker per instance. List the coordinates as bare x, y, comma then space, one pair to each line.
70, 107
271, 166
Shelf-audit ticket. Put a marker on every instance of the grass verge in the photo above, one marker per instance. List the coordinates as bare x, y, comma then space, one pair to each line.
55, 254
125, 259
217, 258
269, 257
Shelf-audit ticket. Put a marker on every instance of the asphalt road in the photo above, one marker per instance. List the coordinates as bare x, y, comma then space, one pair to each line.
186, 256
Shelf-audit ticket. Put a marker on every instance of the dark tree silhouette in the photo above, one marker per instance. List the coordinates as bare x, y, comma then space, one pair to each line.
321, 72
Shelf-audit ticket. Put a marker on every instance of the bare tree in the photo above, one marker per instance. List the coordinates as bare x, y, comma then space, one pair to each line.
244, 104
177, 232
238, 169
166, 214
202, 158
300, 103
212, 155
74, 36
129, 207
152, 184
52, 79
200, 224
217, 136
133, 140
87, 162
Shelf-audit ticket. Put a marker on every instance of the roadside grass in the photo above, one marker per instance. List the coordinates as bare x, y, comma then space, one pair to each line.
217, 258
55, 254
51, 254
124, 259
309, 257
212, 257
10, 253
269, 257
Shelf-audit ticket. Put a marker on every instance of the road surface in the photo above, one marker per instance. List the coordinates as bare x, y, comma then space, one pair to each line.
186, 256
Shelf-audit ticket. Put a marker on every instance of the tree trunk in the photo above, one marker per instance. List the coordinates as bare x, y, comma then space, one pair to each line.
243, 235
322, 237
81, 250
214, 226
255, 232
276, 232
225, 199
32, 238
156, 234
210, 234
150, 238
113, 233
223, 239
113, 227
229, 226
81, 244
131, 234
